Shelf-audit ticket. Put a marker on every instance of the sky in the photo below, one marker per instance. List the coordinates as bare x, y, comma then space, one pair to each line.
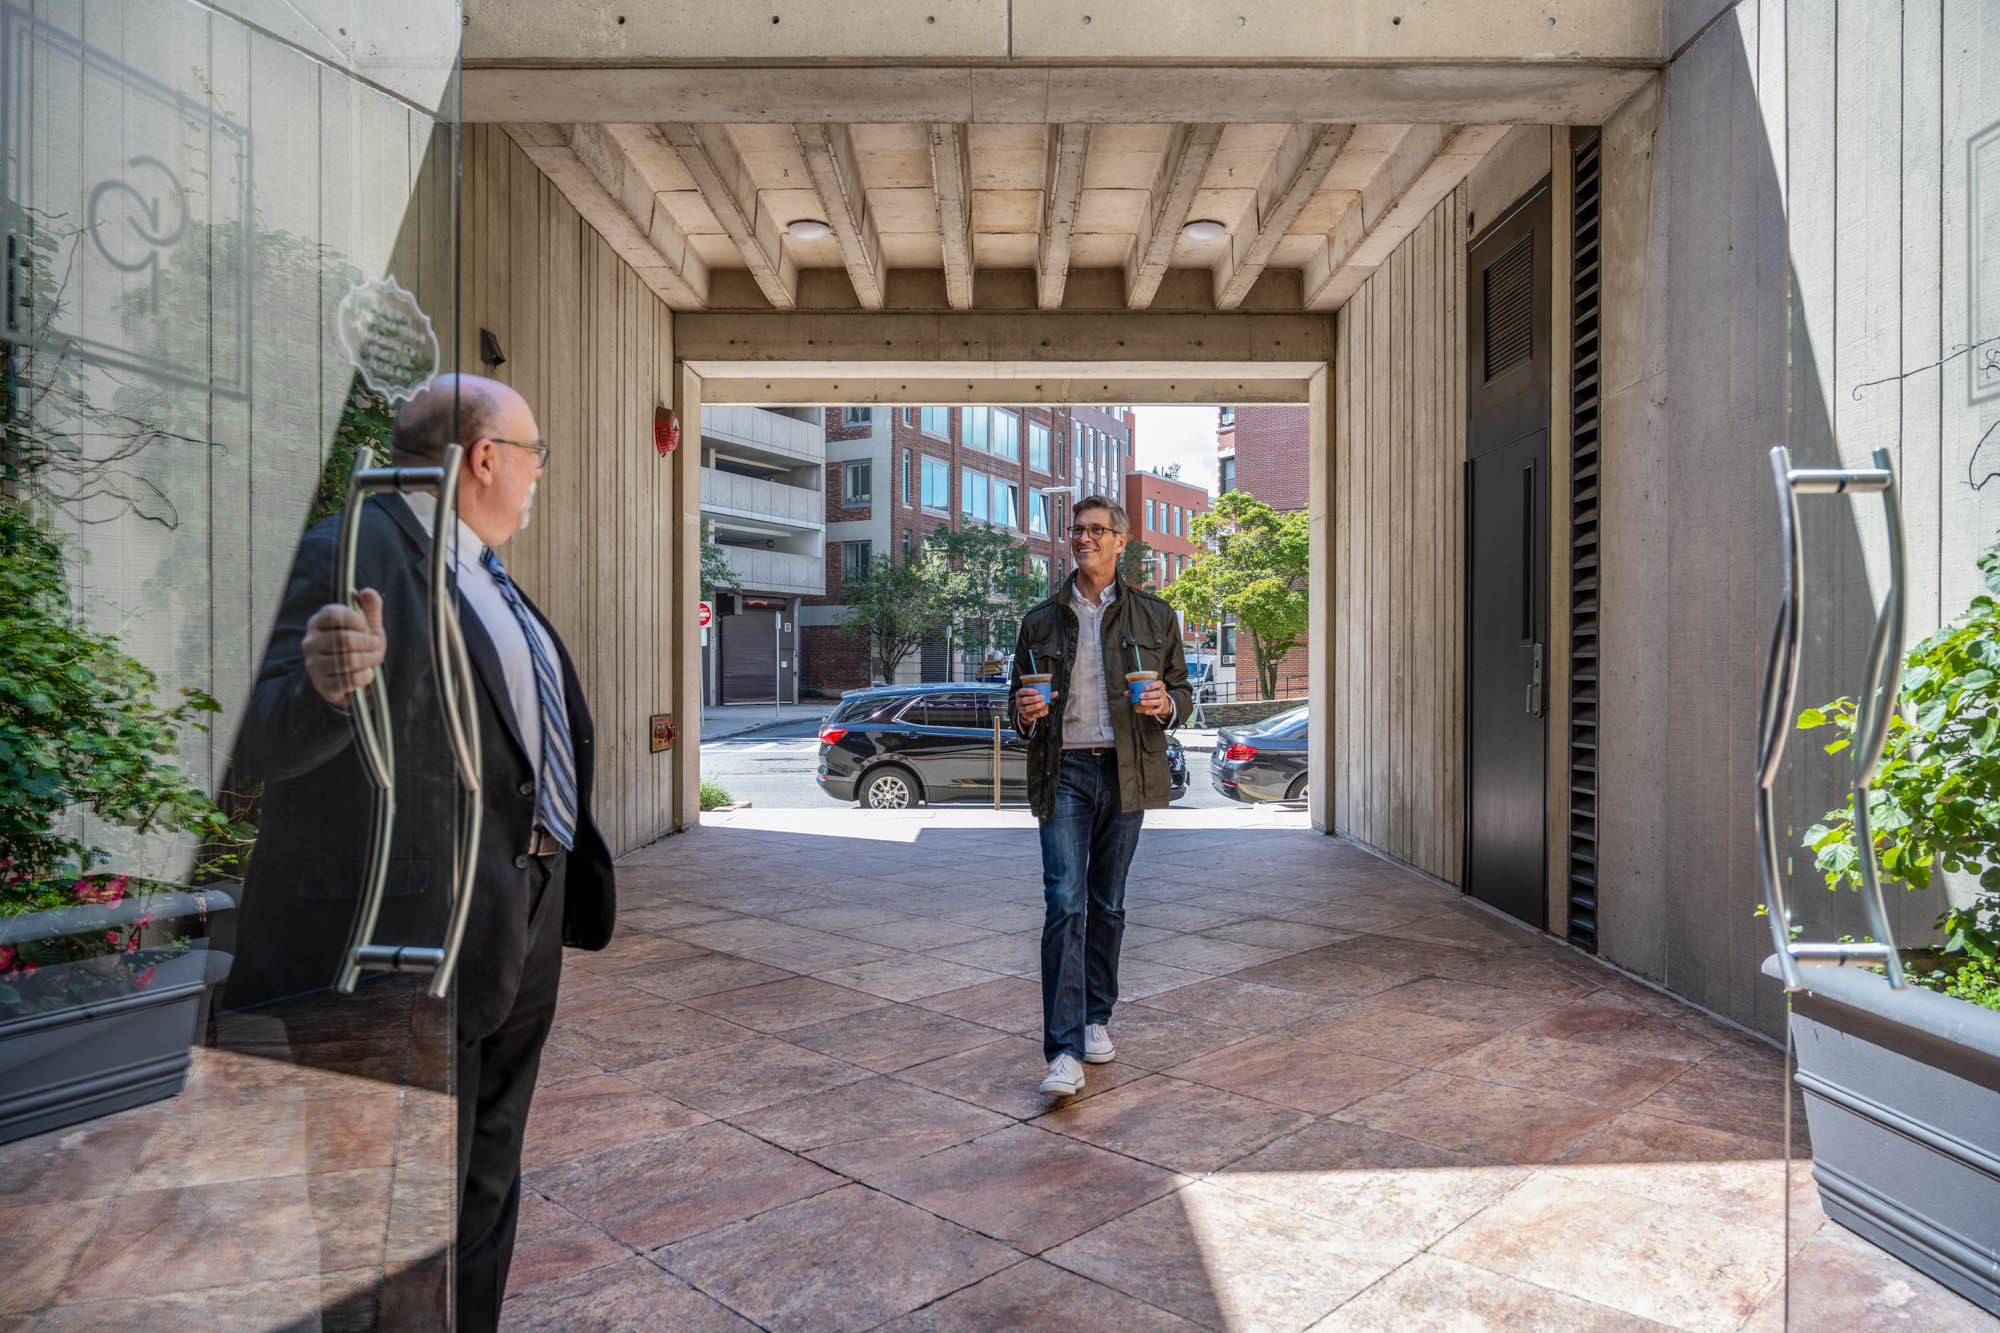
1184, 435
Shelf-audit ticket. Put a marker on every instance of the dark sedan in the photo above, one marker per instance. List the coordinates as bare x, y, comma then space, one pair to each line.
1264, 762
895, 746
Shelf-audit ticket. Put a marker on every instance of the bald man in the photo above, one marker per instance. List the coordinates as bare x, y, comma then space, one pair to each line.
544, 875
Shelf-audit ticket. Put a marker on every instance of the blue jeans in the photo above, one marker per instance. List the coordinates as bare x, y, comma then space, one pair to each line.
1086, 850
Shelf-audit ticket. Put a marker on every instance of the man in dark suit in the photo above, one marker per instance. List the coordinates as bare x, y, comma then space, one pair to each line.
544, 876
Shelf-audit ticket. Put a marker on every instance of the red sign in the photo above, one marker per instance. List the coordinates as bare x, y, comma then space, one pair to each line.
707, 614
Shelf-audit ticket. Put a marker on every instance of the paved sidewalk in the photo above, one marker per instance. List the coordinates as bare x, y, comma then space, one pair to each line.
798, 1091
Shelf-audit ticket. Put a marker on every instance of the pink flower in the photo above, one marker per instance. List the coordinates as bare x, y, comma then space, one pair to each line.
7, 956
106, 891
141, 921
28, 969
132, 942
143, 979
111, 935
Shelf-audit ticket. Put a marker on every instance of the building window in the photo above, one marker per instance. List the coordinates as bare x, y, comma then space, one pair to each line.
974, 501
1149, 516
909, 416
856, 486
857, 416
1225, 475
907, 497
1007, 504
1038, 446
936, 421
937, 485
1006, 434
1038, 514
1038, 566
854, 557
906, 546
974, 426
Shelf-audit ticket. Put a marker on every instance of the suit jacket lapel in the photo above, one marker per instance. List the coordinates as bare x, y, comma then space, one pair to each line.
478, 645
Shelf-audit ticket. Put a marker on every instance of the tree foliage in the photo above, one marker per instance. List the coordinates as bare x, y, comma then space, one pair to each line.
1256, 568
715, 570
989, 586
1935, 803
1134, 563
894, 607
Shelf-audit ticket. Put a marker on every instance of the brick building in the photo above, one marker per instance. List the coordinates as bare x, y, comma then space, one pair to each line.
1161, 510
1262, 451
894, 475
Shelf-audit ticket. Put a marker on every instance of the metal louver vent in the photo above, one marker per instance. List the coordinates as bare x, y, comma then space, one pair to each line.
1586, 463
1510, 309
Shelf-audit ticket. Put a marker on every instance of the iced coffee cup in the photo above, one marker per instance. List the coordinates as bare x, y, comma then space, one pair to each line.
1137, 681
1038, 681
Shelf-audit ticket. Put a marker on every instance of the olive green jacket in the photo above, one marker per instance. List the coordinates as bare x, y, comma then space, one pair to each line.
1137, 621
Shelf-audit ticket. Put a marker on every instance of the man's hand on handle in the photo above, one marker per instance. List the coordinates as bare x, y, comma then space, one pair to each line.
343, 647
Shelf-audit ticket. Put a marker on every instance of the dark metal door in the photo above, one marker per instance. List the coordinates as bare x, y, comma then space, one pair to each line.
1507, 571
749, 656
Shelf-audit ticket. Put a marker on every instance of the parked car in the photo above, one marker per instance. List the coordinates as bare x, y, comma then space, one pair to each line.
897, 745
1263, 762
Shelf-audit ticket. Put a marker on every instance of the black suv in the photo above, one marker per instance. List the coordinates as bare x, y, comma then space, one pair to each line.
896, 745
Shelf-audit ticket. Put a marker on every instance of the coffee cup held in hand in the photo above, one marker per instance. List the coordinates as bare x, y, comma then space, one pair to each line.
1039, 682
1137, 681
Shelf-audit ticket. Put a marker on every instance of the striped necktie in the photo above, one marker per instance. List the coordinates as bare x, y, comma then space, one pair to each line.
555, 792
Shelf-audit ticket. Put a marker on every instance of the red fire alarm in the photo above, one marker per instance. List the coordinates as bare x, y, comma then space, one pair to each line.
666, 431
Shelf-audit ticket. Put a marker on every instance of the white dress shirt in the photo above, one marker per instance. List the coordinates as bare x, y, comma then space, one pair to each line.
1087, 711
481, 593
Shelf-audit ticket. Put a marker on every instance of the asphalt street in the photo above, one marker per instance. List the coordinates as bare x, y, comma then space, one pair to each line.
773, 769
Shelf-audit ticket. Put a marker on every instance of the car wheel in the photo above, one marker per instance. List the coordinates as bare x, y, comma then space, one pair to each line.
889, 789
1297, 791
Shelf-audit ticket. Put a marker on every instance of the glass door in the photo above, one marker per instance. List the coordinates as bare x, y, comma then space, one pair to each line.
1890, 124
225, 1050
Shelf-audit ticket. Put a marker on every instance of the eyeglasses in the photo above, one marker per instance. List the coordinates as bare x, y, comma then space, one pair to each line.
540, 449
1097, 532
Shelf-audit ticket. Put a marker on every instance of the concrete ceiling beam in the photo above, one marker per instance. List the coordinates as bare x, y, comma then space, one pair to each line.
730, 192
1426, 167
1296, 170
951, 175
1181, 171
1538, 92
586, 163
1068, 146
829, 154
859, 385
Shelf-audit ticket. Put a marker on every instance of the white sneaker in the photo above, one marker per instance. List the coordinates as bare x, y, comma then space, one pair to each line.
1097, 1047
1065, 1077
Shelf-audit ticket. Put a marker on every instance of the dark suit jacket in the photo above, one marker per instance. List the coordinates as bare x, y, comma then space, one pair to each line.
314, 818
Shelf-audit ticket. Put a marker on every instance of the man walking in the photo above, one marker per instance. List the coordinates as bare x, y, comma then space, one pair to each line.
543, 876
1097, 761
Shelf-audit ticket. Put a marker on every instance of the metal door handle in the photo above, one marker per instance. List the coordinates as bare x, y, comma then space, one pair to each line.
371, 720
1535, 686
1871, 723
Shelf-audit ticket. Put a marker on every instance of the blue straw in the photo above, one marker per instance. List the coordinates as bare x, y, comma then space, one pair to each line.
1031, 661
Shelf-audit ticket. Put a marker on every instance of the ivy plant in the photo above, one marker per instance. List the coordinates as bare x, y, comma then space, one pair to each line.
1935, 804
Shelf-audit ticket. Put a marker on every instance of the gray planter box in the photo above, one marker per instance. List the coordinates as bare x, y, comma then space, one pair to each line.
60, 1067
1902, 1094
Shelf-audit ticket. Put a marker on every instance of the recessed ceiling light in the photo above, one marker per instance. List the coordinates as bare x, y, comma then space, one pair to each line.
808, 229
1203, 230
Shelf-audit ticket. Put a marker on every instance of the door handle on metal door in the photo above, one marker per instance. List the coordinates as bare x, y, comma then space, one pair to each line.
1535, 686
1871, 722
371, 720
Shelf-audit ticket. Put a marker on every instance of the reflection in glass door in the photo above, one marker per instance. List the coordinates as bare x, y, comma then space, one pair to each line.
231, 254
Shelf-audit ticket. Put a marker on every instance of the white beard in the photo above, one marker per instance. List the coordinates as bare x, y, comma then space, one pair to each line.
527, 508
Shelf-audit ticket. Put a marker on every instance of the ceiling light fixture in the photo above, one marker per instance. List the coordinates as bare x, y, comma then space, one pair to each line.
1203, 230
808, 229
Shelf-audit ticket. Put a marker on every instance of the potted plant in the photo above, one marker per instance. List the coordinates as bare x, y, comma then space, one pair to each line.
1902, 1086
101, 974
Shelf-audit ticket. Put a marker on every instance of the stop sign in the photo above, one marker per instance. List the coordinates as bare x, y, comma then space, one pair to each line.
707, 614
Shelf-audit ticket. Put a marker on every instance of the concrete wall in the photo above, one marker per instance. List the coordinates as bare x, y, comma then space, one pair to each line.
1732, 179
591, 348
1396, 530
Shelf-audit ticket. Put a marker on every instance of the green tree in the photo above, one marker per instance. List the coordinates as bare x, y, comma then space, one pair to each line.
1135, 563
991, 588
894, 607
715, 570
1256, 568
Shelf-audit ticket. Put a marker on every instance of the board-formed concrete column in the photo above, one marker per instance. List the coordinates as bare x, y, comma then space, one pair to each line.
1319, 666
685, 597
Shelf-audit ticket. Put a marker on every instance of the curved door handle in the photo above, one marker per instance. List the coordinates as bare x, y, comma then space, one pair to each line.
371, 720
1871, 723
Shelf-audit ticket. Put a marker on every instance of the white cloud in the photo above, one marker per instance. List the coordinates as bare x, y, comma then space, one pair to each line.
1184, 435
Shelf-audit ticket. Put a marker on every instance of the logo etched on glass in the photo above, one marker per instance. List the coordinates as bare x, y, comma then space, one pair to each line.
387, 336
154, 220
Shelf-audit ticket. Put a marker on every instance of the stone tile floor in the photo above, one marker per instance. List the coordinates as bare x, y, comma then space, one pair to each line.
798, 1093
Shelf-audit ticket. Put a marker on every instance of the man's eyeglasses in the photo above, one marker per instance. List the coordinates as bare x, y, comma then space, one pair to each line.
541, 450
1097, 532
